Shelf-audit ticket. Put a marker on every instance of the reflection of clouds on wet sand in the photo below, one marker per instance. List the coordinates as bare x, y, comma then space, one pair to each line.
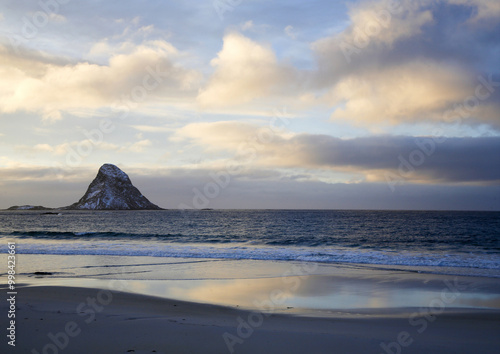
242, 292
321, 293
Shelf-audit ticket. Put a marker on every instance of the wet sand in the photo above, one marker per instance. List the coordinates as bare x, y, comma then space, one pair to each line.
61, 319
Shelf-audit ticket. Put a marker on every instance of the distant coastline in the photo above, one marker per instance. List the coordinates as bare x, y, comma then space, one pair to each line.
29, 207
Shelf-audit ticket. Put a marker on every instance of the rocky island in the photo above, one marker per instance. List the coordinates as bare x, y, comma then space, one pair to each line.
111, 189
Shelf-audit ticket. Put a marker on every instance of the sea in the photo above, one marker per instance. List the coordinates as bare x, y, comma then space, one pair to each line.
443, 242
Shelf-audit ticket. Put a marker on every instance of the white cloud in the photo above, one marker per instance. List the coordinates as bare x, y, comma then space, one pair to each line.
152, 128
43, 147
101, 48
140, 146
146, 74
62, 150
244, 70
56, 150
222, 135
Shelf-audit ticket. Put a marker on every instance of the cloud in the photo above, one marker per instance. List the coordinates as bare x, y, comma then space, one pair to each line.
59, 149
15, 171
412, 92
57, 18
152, 128
375, 28
484, 9
247, 25
140, 145
244, 71
395, 63
145, 74
409, 159
55, 150
386, 21
81, 148
222, 135
407, 62
416, 159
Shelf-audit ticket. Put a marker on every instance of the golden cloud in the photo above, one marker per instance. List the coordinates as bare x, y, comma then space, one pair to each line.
406, 93
146, 74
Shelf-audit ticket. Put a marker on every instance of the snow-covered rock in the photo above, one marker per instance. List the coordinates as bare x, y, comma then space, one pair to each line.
113, 190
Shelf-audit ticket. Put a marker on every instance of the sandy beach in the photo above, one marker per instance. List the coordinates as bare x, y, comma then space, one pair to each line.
62, 319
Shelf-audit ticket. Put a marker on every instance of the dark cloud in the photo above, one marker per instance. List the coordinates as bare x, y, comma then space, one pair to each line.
420, 158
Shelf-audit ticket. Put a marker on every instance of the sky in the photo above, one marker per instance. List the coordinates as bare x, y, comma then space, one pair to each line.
317, 104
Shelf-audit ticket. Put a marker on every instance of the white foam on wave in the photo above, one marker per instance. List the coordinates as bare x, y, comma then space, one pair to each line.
246, 251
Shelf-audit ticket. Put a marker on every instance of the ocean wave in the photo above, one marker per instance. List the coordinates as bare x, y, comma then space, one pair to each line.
354, 242
253, 252
68, 235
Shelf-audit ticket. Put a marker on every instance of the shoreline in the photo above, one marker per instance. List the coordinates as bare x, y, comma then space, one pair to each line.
159, 252
83, 320
302, 287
